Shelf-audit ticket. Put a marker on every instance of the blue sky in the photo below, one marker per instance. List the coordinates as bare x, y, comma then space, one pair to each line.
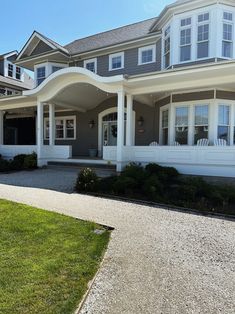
67, 20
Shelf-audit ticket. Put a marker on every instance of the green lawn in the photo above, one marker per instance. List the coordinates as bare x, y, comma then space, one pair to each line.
46, 259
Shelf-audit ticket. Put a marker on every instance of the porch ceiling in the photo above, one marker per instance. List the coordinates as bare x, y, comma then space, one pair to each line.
80, 97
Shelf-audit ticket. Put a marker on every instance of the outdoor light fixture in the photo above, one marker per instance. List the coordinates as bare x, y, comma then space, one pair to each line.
140, 121
91, 124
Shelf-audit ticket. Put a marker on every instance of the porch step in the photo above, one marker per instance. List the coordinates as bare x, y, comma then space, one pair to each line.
82, 164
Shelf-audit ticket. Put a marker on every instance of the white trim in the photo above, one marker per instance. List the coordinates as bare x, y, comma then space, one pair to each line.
87, 61
145, 48
116, 55
64, 118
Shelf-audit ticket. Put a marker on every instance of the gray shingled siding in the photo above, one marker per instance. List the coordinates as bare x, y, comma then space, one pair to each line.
193, 96
225, 95
41, 48
163, 101
87, 138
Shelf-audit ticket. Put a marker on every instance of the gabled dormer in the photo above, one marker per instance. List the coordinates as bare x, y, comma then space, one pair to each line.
8, 68
43, 56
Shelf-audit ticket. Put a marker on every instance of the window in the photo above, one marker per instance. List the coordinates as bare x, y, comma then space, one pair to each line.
10, 69
41, 75
91, 65
223, 122
147, 54
167, 47
18, 73
227, 45
165, 115
9, 92
185, 40
200, 122
181, 125
203, 36
116, 61
56, 68
228, 16
64, 128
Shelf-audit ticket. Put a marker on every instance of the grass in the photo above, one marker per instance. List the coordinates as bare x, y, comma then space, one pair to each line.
46, 259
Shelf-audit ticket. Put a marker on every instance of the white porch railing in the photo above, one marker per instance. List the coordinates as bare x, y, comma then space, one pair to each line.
9, 151
211, 160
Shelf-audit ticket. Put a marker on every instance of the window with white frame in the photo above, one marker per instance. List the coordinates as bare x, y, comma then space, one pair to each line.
203, 36
181, 125
165, 117
18, 73
116, 61
10, 70
201, 118
167, 46
147, 54
185, 39
41, 75
223, 122
65, 128
91, 65
55, 68
227, 43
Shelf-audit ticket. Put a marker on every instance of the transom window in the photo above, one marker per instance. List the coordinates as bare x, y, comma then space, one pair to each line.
181, 125
223, 122
65, 128
116, 61
185, 40
201, 119
10, 69
41, 75
91, 65
167, 47
228, 16
203, 17
147, 54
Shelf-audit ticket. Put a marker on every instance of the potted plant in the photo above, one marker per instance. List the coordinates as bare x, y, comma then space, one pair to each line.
92, 152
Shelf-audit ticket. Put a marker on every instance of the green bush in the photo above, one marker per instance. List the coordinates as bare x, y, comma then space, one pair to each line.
87, 181
4, 165
30, 161
125, 185
153, 188
18, 162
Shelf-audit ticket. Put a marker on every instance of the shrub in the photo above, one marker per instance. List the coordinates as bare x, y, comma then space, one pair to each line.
125, 185
153, 188
165, 174
87, 181
30, 161
134, 171
4, 165
18, 162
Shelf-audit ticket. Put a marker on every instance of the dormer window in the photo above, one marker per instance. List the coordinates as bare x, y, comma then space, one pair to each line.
41, 75
18, 73
147, 54
91, 65
203, 36
185, 40
10, 70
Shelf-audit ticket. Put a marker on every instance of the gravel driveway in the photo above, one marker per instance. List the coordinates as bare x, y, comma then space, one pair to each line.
158, 261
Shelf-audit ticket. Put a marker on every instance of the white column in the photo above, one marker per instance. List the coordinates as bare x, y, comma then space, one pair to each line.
120, 129
129, 121
1, 127
40, 106
171, 124
52, 124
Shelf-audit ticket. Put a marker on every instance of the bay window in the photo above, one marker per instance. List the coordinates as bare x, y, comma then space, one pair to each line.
41, 75
227, 43
200, 122
223, 122
10, 70
165, 115
203, 36
18, 73
64, 128
167, 47
185, 40
181, 125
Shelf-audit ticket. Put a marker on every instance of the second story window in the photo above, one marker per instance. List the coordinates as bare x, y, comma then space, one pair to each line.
167, 47
10, 70
116, 61
185, 40
227, 44
147, 54
203, 36
91, 65
18, 73
41, 75
55, 68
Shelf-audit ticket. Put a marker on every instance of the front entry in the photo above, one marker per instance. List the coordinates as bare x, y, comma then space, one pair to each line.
109, 129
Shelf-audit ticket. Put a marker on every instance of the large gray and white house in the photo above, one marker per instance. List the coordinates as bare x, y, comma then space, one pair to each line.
160, 90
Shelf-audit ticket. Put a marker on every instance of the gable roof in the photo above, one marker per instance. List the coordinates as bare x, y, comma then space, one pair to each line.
113, 37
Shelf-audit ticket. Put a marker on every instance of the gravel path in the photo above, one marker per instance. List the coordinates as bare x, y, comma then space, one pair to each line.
158, 261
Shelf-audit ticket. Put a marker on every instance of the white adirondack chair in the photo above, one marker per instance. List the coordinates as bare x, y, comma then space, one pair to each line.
203, 142
176, 143
154, 144
220, 142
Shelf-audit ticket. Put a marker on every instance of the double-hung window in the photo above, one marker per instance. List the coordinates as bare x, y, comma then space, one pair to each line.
116, 61
167, 47
55, 69
201, 122
18, 73
41, 75
165, 118
227, 44
185, 39
181, 125
223, 122
147, 54
91, 65
203, 30
64, 128
10, 70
